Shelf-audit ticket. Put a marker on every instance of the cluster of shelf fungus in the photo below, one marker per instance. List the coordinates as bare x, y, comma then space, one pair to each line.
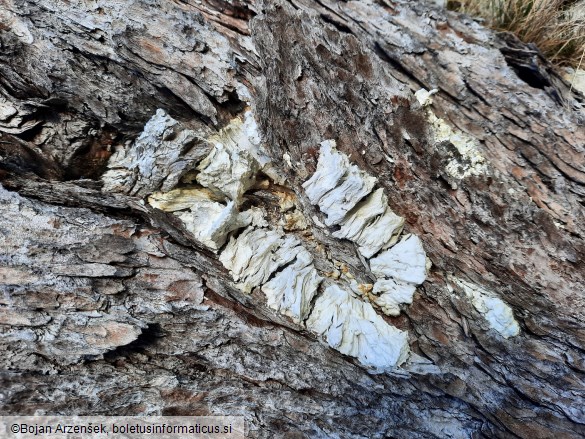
203, 180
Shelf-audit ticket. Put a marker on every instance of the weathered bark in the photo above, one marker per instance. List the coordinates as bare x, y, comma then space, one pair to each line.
111, 306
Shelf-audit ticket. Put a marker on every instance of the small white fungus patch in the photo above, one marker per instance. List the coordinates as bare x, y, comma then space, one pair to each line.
180, 199
389, 294
211, 222
424, 97
155, 161
498, 315
406, 261
231, 166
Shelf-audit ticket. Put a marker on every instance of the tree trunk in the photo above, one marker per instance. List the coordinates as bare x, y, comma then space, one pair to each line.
121, 296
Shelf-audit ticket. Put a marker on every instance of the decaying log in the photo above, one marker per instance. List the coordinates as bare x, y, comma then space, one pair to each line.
336, 219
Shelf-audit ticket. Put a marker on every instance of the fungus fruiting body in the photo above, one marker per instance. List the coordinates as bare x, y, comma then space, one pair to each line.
497, 314
263, 253
354, 328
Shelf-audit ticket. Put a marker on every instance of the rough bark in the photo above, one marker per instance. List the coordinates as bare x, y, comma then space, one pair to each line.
111, 306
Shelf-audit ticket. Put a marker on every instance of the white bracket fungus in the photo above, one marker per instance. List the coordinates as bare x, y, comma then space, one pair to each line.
371, 225
231, 166
331, 167
227, 164
208, 220
229, 172
211, 222
352, 327
498, 315
264, 257
406, 261
291, 291
256, 253
364, 213
180, 199
381, 233
156, 160
399, 270
337, 186
389, 294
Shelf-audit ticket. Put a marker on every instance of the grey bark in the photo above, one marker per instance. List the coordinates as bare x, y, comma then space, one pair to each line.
109, 306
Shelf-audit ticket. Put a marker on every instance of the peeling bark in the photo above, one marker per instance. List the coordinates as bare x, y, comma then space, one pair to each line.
115, 299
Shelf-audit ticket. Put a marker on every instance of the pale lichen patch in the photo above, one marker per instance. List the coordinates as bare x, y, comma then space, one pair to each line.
468, 160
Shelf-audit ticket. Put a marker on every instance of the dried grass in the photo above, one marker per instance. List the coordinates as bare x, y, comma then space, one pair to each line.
557, 27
